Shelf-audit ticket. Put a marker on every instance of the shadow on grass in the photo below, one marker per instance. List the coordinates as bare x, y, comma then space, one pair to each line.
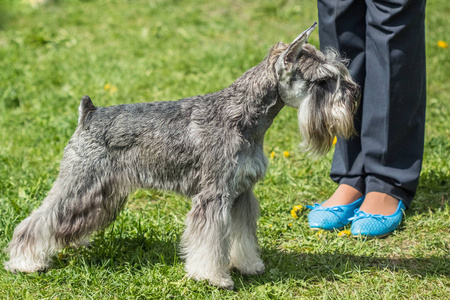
138, 253
121, 252
313, 267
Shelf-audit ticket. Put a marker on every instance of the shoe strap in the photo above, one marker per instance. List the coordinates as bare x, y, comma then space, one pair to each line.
359, 214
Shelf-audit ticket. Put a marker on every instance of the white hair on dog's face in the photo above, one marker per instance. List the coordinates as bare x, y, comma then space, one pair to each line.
321, 88
328, 109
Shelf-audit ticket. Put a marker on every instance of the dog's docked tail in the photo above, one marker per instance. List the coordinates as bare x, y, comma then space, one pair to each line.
86, 106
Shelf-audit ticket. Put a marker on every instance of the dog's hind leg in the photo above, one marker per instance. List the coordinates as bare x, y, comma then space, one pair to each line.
205, 242
74, 208
33, 241
245, 252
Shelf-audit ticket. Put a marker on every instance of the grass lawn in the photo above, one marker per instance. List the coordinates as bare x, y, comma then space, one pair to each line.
135, 51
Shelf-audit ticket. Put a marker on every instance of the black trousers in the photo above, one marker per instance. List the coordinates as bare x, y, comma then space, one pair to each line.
385, 41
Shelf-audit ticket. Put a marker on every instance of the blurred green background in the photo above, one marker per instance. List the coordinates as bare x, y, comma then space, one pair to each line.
136, 51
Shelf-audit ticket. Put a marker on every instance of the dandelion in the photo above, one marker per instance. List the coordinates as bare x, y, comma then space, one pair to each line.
286, 154
109, 87
442, 44
296, 209
294, 214
272, 154
344, 233
290, 224
334, 140
270, 225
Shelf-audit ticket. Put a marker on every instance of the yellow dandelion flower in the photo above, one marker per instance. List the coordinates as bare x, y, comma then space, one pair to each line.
344, 233
290, 224
294, 214
298, 208
272, 154
270, 225
109, 87
334, 140
442, 44
286, 154
295, 209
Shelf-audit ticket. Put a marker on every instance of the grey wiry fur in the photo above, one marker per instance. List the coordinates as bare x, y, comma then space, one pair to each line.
208, 147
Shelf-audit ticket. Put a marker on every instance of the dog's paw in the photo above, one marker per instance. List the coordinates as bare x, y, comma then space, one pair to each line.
254, 268
222, 280
18, 267
223, 283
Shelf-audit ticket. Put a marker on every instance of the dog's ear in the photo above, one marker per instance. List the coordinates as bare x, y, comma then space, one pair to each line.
290, 55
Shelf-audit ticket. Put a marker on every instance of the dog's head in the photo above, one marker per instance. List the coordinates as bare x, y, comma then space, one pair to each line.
320, 87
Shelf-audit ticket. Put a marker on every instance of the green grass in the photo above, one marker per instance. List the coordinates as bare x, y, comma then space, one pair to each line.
166, 50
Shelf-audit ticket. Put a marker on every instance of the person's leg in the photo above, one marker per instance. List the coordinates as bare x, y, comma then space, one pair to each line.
393, 113
379, 203
342, 26
343, 195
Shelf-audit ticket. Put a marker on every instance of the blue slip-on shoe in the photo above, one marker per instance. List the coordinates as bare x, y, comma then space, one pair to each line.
370, 225
334, 217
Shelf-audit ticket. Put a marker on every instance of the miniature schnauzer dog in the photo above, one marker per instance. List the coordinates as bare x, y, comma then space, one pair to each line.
208, 147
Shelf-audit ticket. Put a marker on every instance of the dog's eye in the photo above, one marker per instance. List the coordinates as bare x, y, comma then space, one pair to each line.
298, 75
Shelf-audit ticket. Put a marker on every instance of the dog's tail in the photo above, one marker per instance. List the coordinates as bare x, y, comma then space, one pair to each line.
86, 106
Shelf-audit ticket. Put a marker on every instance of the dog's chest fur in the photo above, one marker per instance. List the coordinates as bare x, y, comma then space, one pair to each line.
250, 168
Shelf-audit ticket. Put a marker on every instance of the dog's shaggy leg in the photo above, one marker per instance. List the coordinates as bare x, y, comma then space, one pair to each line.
245, 254
69, 214
33, 242
206, 241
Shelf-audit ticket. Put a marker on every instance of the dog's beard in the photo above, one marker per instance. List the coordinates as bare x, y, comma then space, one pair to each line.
317, 138
329, 107
323, 116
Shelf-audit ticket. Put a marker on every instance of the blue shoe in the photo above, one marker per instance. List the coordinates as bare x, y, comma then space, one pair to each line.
334, 217
369, 225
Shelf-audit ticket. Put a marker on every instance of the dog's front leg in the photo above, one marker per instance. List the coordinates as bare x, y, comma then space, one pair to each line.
206, 240
245, 253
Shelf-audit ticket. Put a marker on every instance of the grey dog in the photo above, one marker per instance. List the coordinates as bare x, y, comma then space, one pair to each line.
208, 147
